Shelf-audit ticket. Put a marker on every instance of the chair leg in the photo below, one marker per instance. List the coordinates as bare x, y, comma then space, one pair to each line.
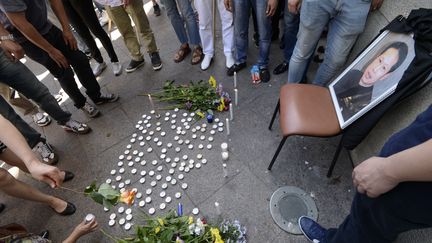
335, 158
277, 152
274, 115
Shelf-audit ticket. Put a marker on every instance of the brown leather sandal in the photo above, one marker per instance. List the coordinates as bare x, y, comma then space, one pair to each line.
182, 53
197, 55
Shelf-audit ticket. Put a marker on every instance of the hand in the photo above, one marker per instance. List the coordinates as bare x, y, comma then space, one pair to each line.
271, 7
58, 57
371, 177
12, 50
228, 5
46, 173
70, 40
85, 228
294, 6
376, 4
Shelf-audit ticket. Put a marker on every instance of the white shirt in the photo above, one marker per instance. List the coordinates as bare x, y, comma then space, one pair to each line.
111, 3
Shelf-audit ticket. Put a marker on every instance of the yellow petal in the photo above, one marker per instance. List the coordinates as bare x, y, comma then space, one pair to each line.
212, 81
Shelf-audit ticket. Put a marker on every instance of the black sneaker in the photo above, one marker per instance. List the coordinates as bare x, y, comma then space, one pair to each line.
281, 68
134, 65
156, 61
235, 68
264, 75
106, 98
156, 10
76, 127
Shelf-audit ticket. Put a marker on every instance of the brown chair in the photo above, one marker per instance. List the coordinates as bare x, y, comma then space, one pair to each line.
307, 110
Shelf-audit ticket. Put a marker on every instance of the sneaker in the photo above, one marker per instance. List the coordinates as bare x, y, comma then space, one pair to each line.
106, 98
41, 119
156, 61
235, 68
103, 19
281, 68
98, 68
156, 10
312, 230
46, 152
264, 75
90, 110
229, 61
117, 68
76, 127
134, 65
205, 63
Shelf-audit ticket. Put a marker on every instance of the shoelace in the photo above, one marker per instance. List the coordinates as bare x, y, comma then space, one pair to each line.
45, 150
88, 107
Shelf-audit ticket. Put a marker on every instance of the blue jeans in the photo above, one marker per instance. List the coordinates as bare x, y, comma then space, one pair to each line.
241, 29
178, 22
20, 78
346, 20
405, 207
291, 27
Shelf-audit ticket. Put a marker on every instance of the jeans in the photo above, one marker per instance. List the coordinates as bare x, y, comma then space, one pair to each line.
291, 27
66, 78
347, 20
241, 30
405, 207
192, 37
31, 135
83, 17
20, 78
120, 16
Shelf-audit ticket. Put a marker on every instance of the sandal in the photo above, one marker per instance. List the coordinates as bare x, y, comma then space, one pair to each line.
182, 53
197, 55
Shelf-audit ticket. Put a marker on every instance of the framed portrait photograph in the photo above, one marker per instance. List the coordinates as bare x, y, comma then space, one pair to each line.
372, 76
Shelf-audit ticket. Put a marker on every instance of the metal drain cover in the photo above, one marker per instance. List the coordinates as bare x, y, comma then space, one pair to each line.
287, 204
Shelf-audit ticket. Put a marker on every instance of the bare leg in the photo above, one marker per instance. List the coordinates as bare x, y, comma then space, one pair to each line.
16, 188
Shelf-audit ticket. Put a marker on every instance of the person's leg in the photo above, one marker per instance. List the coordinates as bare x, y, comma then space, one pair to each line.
79, 63
121, 19
205, 13
136, 11
264, 30
241, 29
191, 22
343, 32
18, 189
22, 104
19, 77
227, 20
81, 28
314, 17
176, 21
291, 27
88, 16
31, 135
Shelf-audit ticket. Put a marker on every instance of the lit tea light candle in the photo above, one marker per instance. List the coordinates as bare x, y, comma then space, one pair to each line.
225, 171
235, 79
225, 156
236, 97
224, 147
231, 112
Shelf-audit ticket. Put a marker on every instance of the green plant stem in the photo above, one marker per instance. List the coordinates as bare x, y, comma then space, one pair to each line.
72, 190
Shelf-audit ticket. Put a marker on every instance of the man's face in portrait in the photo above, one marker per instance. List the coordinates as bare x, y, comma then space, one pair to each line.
380, 67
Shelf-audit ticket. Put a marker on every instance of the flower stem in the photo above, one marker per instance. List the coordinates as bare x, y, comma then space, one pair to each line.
72, 190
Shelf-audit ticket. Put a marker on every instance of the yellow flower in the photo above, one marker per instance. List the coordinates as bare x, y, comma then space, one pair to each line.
161, 222
222, 104
157, 229
216, 235
212, 81
200, 114
190, 220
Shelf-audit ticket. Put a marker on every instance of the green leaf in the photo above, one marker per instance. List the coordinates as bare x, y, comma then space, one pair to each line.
91, 188
97, 197
108, 192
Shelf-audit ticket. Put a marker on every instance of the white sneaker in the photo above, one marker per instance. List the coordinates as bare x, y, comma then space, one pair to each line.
41, 119
117, 68
206, 62
103, 19
229, 60
98, 68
